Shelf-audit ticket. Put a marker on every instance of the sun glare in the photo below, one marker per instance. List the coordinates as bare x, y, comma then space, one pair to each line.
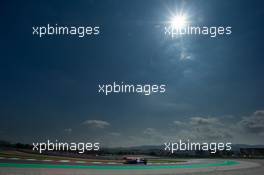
178, 21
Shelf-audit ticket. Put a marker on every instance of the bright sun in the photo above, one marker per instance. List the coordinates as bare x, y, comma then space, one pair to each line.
178, 21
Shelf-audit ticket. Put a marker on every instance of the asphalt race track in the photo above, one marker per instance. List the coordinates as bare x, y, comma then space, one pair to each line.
195, 166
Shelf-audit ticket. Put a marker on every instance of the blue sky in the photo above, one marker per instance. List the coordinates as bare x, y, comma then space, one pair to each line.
49, 85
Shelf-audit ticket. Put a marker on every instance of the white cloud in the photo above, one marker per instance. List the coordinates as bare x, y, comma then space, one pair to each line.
254, 123
204, 120
115, 134
96, 123
68, 130
248, 130
203, 128
149, 131
179, 123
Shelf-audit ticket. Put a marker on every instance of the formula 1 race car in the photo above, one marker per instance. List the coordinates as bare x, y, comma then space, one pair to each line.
135, 160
